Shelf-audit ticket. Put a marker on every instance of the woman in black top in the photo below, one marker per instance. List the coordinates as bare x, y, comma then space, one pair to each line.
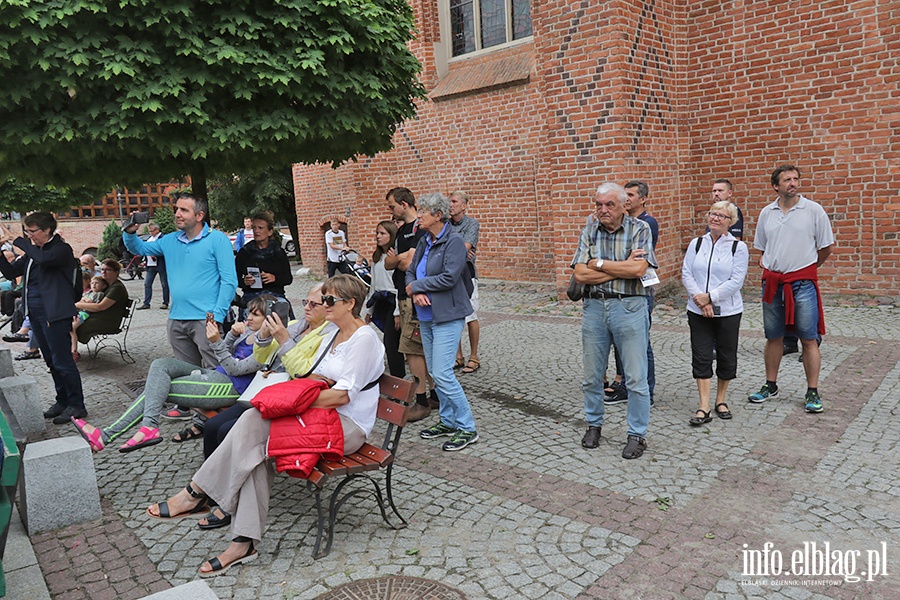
262, 265
52, 284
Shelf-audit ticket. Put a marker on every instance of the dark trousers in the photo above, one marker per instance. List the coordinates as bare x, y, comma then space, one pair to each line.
152, 272
55, 341
337, 267
720, 333
396, 364
216, 428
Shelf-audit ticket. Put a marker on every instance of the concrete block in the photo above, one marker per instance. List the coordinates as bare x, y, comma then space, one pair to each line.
60, 484
24, 399
195, 590
6, 363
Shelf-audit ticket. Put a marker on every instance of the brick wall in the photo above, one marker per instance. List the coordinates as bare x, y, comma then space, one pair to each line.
675, 93
81, 234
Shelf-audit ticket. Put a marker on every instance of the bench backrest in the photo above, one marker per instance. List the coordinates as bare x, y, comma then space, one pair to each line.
397, 396
129, 313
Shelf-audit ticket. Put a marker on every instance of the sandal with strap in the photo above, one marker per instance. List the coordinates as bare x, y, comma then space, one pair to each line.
723, 414
459, 364
94, 439
188, 433
201, 507
701, 420
213, 521
151, 438
472, 366
218, 568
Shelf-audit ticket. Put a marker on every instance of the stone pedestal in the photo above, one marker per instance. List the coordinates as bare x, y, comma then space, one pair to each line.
195, 590
22, 397
6, 363
60, 484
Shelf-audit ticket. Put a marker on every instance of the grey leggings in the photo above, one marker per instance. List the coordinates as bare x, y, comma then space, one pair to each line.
173, 380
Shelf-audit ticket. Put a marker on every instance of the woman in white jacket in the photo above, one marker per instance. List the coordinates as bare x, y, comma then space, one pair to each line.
713, 274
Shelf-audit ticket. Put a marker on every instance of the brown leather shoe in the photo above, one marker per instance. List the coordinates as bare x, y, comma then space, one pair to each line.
418, 412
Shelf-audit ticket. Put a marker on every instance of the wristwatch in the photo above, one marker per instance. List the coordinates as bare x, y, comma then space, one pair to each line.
599, 264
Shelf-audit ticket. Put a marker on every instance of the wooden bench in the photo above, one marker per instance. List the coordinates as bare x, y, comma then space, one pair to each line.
98, 341
10, 474
397, 396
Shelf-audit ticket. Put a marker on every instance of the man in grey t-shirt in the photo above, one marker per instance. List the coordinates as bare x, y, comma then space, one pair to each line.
468, 228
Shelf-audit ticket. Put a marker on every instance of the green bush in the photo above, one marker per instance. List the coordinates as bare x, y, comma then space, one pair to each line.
110, 246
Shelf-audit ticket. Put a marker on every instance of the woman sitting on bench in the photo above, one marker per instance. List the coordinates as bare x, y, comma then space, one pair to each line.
189, 385
106, 315
238, 476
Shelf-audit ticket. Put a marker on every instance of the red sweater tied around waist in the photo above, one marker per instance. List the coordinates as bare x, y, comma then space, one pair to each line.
773, 279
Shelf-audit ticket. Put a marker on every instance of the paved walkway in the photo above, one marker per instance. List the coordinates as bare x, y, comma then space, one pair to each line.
527, 512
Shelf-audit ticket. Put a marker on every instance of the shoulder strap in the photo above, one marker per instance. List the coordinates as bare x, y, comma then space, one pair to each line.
698, 244
321, 356
734, 245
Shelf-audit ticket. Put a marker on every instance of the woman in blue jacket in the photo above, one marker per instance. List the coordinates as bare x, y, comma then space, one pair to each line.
438, 282
52, 278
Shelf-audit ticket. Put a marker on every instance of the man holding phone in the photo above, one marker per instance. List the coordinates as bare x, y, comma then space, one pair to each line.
201, 274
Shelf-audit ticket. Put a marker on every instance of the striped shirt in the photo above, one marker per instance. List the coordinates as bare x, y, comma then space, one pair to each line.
597, 242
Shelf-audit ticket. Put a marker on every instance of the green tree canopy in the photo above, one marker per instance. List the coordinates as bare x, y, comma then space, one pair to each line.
139, 90
26, 197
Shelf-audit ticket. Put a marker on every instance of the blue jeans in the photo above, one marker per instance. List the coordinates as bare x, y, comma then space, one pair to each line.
152, 272
440, 341
55, 342
625, 323
651, 360
806, 312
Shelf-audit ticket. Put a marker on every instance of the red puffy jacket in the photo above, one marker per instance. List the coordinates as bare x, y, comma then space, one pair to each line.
299, 435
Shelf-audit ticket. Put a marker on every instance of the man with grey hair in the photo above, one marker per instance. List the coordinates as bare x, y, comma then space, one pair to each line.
468, 228
156, 265
614, 252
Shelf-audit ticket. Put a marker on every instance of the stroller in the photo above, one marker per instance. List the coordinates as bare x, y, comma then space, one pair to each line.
354, 263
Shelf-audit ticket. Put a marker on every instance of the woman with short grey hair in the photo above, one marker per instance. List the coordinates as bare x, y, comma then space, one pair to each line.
438, 282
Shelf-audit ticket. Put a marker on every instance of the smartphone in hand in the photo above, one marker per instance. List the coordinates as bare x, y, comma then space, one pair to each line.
280, 308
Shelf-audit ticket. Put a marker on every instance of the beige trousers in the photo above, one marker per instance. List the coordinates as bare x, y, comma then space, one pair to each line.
239, 477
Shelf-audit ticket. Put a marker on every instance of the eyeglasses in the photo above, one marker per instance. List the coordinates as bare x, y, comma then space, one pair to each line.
331, 300
304, 303
719, 217
31, 231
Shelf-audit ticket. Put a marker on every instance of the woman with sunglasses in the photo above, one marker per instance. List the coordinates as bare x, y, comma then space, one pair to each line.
713, 274
50, 270
237, 475
438, 283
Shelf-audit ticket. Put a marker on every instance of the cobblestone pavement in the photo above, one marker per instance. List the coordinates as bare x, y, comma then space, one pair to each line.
527, 512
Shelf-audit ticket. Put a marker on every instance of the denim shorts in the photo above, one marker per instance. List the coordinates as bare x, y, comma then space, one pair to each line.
806, 312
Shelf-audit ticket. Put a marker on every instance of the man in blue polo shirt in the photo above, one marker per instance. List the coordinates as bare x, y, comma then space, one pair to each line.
201, 273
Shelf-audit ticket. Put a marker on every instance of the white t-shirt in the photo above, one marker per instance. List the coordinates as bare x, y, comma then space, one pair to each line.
151, 260
791, 241
353, 365
337, 239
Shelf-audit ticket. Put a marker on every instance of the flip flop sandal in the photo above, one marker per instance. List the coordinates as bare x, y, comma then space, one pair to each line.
188, 433
95, 440
701, 420
151, 438
165, 515
471, 369
214, 522
723, 414
218, 568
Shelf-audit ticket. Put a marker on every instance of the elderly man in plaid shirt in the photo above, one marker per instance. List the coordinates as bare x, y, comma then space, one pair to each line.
614, 253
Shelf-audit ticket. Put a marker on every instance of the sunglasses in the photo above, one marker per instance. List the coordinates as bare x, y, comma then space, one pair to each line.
304, 303
331, 300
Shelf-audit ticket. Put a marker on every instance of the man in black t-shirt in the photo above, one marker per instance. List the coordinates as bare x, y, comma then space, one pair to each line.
402, 204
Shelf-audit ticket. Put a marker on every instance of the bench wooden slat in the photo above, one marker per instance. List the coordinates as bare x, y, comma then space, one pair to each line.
379, 455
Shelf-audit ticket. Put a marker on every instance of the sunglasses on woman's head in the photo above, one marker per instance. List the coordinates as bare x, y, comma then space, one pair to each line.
310, 303
331, 300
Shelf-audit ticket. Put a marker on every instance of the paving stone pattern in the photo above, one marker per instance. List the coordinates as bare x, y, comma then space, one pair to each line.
527, 512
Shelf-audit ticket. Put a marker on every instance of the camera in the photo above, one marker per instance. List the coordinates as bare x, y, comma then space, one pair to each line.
137, 218
280, 308
717, 311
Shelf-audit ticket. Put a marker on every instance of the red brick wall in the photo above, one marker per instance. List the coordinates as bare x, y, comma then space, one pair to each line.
81, 234
817, 85
672, 92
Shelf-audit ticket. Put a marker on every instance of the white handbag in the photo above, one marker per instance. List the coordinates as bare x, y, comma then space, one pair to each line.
262, 379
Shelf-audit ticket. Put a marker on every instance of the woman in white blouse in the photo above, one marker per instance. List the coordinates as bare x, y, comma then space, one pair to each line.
381, 304
713, 274
237, 475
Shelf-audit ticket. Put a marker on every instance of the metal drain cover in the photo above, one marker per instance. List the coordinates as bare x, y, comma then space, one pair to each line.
393, 588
